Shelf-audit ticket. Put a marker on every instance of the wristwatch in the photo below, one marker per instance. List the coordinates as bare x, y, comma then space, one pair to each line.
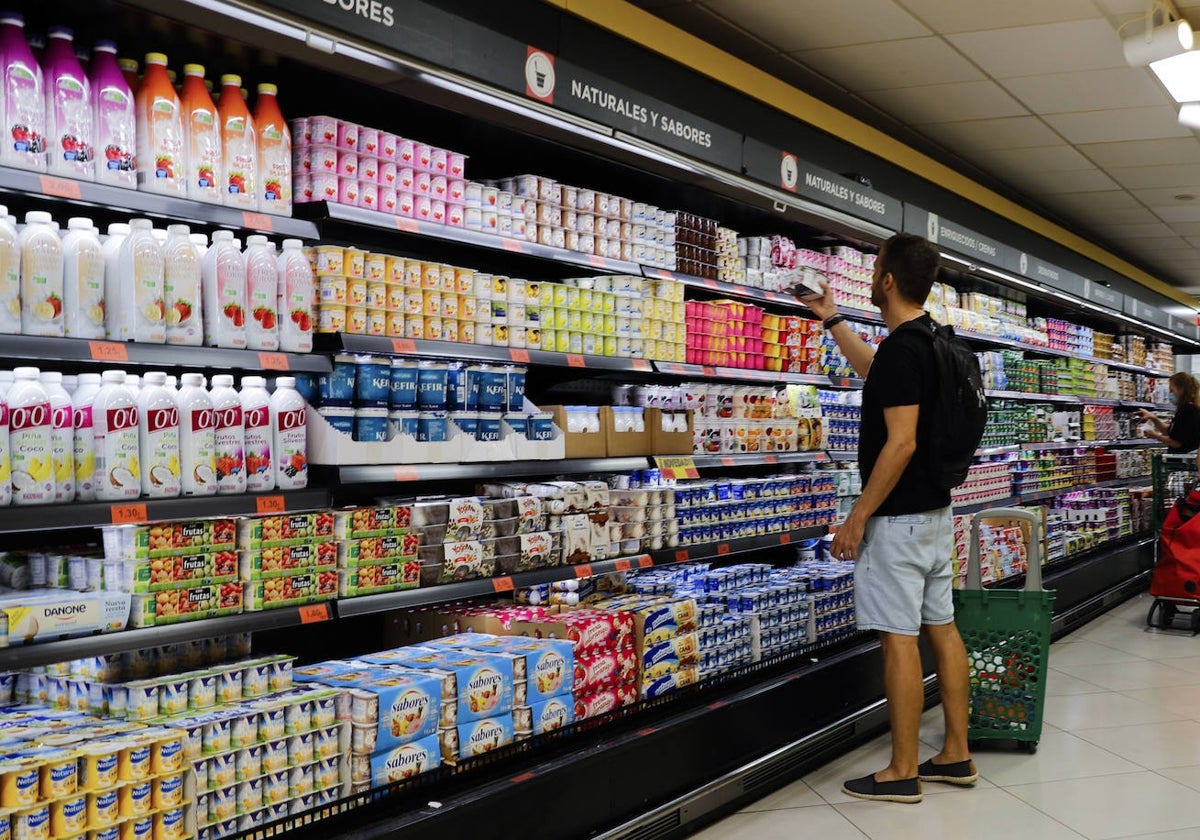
832, 321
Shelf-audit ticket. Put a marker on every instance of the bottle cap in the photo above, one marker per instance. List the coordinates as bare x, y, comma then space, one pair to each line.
179, 230
247, 381
79, 223
195, 380
141, 224
38, 217
267, 89
285, 382
61, 32
193, 70
105, 46
222, 380
51, 377
156, 58
26, 373
154, 377
231, 79
114, 376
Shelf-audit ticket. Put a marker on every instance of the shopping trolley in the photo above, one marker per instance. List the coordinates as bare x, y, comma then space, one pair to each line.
1007, 636
1172, 477
1175, 583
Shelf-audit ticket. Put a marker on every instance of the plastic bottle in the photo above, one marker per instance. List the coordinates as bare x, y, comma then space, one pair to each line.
10, 276
274, 153
159, 131
229, 436
295, 279
158, 437
5, 454
24, 100
224, 308
62, 436
41, 276
200, 243
83, 281
30, 451
203, 137
129, 72
84, 438
256, 414
114, 111
110, 248
289, 416
239, 147
137, 310
183, 288
69, 121
197, 438
262, 294
115, 432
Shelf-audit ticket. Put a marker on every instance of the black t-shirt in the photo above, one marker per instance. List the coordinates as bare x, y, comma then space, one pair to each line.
1185, 427
903, 373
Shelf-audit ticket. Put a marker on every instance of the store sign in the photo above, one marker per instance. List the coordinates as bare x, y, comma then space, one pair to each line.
1046, 273
954, 237
1145, 312
1102, 295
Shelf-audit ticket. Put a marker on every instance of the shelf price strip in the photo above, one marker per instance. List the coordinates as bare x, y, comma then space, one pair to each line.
134, 514
677, 467
313, 613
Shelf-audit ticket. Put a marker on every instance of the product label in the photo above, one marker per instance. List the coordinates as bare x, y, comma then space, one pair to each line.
87, 285
148, 293
241, 161
25, 117
166, 141
41, 285
181, 294
73, 127
201, 454
10, 286
117, 138
291, 448
160, 452
118, 463
205, 158
30, 454
257, 448
229, 435
62, 447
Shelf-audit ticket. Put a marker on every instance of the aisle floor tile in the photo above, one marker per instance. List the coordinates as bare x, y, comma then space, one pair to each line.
1058, 683
1125, 676
1151, 745
818, 821
1183, 700
1144, 642
1087, 652
796, 795
1183, 663
1060, 756
1091, 711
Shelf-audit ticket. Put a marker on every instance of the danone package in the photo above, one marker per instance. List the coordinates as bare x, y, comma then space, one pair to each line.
476, 738
479, 684
400, 708
545, 716
405, 761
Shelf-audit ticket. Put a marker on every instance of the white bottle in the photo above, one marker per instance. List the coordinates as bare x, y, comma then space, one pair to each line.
62, 436
197, 438
110, 247
262, 294
229, 436
158, 436
183, 288
133, 382
200, 243
84, 439
289, 435
224, 308
256, 415
115, 432
5, 454
138, 309
83, 281
10, 276
41, 276
295, 298
30, 450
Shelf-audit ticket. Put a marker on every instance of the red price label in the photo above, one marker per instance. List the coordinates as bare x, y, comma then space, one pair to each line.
645, 561
518, 355
785, 539
404, 345
770, 459
407, 225
271, 504
407, 473
502, 584
722, 548
575, 360
680, 369
60, 187
682, 555
597, 261
108, 351
709, 371
714, 706
727, 461
624, 565
514, 245
274, 361
641, 364
129, 514
524, 777
583, 570
312, 613
712, 284
258, 221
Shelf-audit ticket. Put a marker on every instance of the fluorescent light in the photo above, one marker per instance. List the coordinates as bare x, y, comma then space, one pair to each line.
1189, 115
1180, 75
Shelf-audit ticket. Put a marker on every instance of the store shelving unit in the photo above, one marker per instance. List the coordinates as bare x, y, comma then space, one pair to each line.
27, 348
981, 340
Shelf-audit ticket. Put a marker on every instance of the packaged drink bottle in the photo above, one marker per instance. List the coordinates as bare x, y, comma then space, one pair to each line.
274, 153
118, 473
137, 312
262, 294
30, 453
229, 436
200, 243
224, 278
239, 147
289, 415
160, 150
23, 132
110, 248
197, 437
256, 414
62, 436
203, 137
295, 298
183, 288
158, 437
41, 277
69, 120
5, 465
114, 111
129, 72
10, 276
84, 439
83, 280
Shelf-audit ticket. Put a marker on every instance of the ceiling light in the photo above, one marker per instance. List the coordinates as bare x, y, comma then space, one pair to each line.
1170, 36
1180, 75
1189, 115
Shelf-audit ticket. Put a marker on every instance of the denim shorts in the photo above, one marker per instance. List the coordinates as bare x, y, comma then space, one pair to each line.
903, 577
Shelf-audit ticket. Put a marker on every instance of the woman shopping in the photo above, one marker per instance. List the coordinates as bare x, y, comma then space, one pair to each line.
1183, 433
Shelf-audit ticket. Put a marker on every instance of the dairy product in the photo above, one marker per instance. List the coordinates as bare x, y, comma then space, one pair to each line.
203, 136
289, 435
274, 153
30, 452
84, 440
83, 281
24, 104
229, 436
239, 147
224, 280
262, 295
160, 164
197, 438
62, 436
137, 311
113, 109
41, 277
69, 121
295, 298
158, 437
256, 414
10, 276
182, 288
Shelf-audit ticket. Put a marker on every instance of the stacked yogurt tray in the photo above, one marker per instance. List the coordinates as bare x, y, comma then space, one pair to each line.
720, 510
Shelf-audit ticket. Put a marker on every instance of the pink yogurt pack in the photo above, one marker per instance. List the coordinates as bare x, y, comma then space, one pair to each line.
323, 131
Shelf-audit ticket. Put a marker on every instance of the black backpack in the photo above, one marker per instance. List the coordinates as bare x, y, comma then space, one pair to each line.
960, 407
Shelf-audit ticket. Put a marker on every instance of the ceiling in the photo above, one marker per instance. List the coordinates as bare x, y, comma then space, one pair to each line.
1030, 97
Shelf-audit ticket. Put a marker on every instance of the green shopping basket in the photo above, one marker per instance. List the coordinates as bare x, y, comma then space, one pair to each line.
1007, 636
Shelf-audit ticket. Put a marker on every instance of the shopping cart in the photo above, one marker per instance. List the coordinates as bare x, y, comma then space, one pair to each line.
1175, 584
1173, 476
1007, 636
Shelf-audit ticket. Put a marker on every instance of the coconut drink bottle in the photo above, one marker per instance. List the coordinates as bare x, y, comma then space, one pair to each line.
158, 437
118, 474
84, 438
30, 449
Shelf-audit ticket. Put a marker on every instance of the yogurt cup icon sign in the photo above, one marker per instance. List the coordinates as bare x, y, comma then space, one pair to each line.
932, 228
789, 172
1024, 265
539, 75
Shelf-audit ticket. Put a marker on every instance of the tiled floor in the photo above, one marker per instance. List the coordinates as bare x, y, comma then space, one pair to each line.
1119, 758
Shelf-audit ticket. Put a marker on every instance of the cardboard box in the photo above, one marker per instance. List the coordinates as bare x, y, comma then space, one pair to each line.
305, 586
36, 615
668, 443
186, 604
194, 569
407, 761
624, 444
578, 444
278, 561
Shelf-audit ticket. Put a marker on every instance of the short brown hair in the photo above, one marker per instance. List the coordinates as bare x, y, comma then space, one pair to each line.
913, 263
1188, 387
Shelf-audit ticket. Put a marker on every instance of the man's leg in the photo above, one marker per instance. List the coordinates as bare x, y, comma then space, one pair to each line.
954, 684
902, 683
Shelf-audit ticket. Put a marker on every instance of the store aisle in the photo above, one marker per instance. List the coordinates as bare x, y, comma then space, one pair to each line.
1119, 758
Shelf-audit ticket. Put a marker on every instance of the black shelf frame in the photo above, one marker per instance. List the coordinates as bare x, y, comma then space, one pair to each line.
393, 473
1045, 495
770, 377
131, 354
757, 459
1037, 349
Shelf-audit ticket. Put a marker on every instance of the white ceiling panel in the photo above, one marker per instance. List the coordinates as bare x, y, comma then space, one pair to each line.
908, 63
1165, 196
791, 25
1138, 231
1186, 229
1066, 181
1007, 133
1118, 124
1088, 90
1061, 158
958, 16
1152, 177
1135, 153
1134, 214
947, 103
1095, 204
1038, 50
1179, 212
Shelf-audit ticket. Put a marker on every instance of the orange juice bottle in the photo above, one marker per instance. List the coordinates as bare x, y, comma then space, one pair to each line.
239, 144
160, 151
203, 137
274, 153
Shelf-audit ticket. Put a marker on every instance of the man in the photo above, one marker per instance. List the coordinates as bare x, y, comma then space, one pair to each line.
899, 533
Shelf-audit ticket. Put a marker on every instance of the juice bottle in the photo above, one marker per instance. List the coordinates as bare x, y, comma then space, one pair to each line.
256, 413
83, 280
110, 248
289, 415
84, 439
203, 137
229, 436
182, 288
159, 131
239, 147
274, 153
224, 278
5, 466
295, 298
262, 294
69, 121
158, 437
139, 309
62, 436
24, 126
197, 437
129, 72
30, 451
41, 276
115, 432
200, 243
113, 109
10, 276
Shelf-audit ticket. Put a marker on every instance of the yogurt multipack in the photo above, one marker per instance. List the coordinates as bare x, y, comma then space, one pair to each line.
476, 738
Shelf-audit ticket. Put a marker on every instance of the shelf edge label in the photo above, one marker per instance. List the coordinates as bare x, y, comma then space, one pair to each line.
258, 221
623, 565
134, 514
108, 351
404, 345
274, 361
270, 504
645, 561
502, 584
313, 613
583, 570
61, 187
676, 466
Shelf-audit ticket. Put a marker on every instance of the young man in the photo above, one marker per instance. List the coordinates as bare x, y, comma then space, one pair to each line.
899, 533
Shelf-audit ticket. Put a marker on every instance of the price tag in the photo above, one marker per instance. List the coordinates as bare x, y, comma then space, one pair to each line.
271, 504
624, 565
514, 245
407, 473
714, 706
518, 355
770, 459
640, 364
128, 514
676, 467
709, 371
60, 187
274, 361
663, 274
258, 221
785, 539
404, 345
406, 225
524, 777
677, 368
502, 584
645, 561
583, 570
597, 261
711, 284
575, 360
727, 461
108, 351
722, 548
312, 613
682, 555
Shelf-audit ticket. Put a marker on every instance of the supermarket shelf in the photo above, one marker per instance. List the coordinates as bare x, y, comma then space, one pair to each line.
92, 514
1034, 497
996, 341
988, 451
38, 349
756, 459
391, 473
842, 455
322, 211
90, 194
763, 376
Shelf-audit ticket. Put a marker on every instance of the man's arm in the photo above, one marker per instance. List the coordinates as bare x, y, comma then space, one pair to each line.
857, 352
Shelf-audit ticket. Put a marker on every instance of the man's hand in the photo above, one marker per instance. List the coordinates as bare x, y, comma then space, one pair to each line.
823, 307
847, 539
